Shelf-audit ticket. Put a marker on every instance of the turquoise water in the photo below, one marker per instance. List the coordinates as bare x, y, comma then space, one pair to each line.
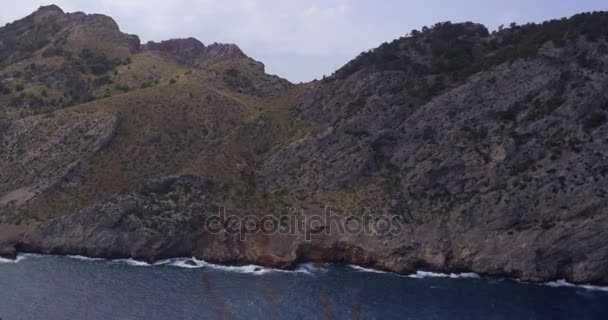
50, 287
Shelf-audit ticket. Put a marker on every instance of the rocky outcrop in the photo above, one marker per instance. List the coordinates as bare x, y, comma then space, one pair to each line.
167, 218
185, 51
220, 52
192, 52
40, 153
159, 220
101, 34
224, 64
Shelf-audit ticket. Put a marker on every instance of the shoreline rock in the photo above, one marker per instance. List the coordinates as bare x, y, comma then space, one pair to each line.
8, 252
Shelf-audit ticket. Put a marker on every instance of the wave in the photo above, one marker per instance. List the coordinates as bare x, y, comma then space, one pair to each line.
362, 269
189, 263
21, 257
4, 260
305, 268
427, 274
564, 283
302, 269
421, 274
83, 258
133, 262
194, 263
312, 268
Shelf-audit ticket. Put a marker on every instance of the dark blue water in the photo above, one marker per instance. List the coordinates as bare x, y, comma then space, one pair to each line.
45, 287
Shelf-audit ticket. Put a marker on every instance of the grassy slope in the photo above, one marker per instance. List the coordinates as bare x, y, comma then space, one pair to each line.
185, 127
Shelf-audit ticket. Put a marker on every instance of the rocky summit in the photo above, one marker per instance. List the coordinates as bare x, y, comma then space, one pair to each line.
488, 149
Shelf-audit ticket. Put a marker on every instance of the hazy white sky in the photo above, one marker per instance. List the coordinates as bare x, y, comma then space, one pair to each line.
302, 40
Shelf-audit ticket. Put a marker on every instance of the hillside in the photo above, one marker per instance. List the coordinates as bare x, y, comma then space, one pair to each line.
489, 148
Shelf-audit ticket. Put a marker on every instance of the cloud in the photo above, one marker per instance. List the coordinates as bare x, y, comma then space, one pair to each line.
328, 12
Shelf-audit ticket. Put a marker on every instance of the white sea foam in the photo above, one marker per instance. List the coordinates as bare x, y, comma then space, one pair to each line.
300, 269
251, 269
312, 268
182, 263
194, 263
188, 263
20, 257
83, 258
163, 262
362, 269
306, 268
4, 260
564, 283
426, 274
133, 262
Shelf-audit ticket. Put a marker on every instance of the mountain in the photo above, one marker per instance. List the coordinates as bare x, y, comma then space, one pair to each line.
488, 148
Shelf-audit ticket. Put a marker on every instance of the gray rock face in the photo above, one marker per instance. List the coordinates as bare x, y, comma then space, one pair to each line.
185, 51
218, 52
97, 32
162, 219
192, 52
39, 153
503, 165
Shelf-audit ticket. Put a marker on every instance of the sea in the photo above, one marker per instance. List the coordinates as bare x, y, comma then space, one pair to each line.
73, 287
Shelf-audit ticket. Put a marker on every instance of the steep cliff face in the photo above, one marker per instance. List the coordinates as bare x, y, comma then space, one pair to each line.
489, 148
506, 161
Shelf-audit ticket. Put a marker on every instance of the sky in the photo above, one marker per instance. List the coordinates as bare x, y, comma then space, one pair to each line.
302, 40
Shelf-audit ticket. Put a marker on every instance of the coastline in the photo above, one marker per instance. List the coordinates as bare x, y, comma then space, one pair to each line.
302, 267
104, 240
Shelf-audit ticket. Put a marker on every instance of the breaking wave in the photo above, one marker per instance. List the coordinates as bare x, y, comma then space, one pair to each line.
564, 283
362, 269
426, 274
20, 257
83, 258
305, 268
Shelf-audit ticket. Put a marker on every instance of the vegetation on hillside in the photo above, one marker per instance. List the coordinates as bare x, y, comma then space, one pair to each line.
461, 49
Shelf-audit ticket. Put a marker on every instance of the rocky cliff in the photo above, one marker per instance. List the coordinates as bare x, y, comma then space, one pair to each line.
488, 149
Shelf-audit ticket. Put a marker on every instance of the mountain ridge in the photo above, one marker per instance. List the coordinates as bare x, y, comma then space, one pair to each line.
488, 147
